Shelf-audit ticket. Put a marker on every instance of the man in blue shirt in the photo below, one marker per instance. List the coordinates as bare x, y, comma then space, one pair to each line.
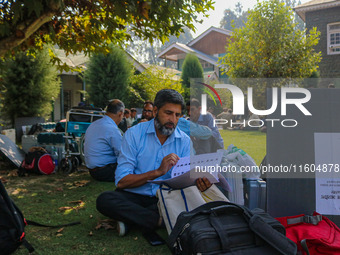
194, 111
149, 150
102, 143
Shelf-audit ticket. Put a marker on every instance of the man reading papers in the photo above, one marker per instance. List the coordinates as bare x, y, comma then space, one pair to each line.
149, 150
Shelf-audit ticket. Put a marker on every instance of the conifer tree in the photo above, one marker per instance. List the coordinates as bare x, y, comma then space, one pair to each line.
29, 84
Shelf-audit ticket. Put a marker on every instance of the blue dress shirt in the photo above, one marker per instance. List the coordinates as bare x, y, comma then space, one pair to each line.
142, 152
208, 120
102, 143
193, 129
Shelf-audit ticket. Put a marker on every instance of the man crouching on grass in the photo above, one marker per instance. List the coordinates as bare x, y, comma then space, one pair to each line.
149, 150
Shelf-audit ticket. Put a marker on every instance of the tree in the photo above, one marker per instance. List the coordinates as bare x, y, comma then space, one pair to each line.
234, 19
108, 76
87, 26
299, 22
191, 69
146, 85
30, 84
269, 46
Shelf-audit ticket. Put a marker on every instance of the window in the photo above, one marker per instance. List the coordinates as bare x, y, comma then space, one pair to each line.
333, 38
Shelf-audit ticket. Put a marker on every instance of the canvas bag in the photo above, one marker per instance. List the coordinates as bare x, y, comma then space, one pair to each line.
171, 202
314, 235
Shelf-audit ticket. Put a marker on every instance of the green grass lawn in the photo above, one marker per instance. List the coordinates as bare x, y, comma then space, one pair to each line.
252, 142
42, 198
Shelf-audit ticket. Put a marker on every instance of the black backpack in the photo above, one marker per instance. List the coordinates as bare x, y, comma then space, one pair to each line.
12, 225
227, 228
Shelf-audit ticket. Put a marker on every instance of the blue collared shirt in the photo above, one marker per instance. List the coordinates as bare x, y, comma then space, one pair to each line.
142, 152
102, 143
193, 129
208, 120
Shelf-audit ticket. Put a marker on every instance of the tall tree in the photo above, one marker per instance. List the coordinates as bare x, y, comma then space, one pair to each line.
234, 18
269, 46
87, 26
107, 76
146, 85
191, 69
29, 85
299, 22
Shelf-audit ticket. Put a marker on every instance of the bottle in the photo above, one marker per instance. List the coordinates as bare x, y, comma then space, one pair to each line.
55, 157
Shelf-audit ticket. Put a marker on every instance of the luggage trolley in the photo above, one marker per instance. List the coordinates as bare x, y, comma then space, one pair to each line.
78, 119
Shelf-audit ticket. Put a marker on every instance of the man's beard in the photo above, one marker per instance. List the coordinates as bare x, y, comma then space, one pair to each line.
147, 118
162, 128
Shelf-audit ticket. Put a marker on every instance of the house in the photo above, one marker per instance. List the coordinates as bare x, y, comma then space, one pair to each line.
325, 16
208, 47
73, 86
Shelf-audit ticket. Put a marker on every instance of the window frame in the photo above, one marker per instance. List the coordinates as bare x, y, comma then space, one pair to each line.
329, 45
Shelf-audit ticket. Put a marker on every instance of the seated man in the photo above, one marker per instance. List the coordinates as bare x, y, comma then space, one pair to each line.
149, 150
102, 143
123, 125
194, 111
147, 113
132, 118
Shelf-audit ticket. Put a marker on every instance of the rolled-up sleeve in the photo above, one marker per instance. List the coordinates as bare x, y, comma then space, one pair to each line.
127, 158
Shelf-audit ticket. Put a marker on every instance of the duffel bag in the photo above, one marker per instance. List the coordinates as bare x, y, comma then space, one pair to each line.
227, 228
313, 235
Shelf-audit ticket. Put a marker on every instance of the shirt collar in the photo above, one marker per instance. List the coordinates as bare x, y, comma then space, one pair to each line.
109, 119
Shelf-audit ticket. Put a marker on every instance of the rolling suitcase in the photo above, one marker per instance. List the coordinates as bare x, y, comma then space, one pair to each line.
255, 193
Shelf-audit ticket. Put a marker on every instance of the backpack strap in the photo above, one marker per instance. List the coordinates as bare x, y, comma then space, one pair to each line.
277, 240
27, 245
305, 219
304, 246
34, 223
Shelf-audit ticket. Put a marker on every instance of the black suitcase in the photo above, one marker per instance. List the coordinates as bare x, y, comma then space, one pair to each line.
227, 228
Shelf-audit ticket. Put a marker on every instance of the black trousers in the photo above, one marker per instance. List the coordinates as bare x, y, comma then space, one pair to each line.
130, 208
105, 173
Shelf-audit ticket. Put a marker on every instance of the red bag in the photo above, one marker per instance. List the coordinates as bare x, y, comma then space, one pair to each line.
37, 161
314, 235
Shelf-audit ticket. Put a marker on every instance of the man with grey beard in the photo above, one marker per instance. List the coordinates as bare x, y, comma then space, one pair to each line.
149, 150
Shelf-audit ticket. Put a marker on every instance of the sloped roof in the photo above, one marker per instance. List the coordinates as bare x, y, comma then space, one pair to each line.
315, 5
186, 49
205, 33
79, 60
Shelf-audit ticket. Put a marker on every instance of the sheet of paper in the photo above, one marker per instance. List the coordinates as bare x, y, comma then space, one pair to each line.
202, 161
188, 169
327, 159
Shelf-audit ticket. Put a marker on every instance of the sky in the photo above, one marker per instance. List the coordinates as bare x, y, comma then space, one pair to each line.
216, 15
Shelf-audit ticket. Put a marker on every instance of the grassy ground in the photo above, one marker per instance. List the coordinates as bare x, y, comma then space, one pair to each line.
59, 199
252, 142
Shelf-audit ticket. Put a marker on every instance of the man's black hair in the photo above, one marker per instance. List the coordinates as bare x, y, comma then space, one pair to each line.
194, 102
165, 96
115, 106
133, 110
148, 102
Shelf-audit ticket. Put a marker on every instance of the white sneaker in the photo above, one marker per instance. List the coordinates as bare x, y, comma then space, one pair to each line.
121, 228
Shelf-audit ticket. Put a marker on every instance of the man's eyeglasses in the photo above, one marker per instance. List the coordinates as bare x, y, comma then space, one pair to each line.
148, 111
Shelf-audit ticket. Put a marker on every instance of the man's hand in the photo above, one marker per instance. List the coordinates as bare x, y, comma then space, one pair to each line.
167, 163
203, 184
